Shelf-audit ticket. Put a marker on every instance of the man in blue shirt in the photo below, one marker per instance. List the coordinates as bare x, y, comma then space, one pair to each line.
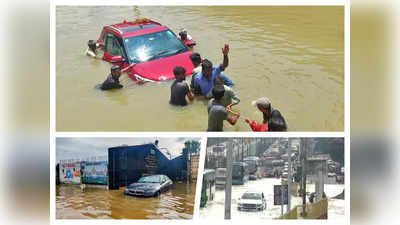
205, 79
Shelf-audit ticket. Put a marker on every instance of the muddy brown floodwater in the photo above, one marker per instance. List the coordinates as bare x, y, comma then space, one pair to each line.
98, 203
294, 55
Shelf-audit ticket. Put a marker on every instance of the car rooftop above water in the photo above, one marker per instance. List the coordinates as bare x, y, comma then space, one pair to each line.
134, 28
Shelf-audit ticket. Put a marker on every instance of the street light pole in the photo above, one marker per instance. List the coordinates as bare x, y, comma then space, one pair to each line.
242, 149
304, 142
228, 184
289, 181
188, 169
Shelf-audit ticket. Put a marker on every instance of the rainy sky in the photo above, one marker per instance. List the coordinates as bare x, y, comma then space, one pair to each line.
78, 148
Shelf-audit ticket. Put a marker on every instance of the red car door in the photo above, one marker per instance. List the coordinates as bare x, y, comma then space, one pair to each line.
113, 51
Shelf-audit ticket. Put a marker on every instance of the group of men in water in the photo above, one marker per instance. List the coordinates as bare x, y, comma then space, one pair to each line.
210, 82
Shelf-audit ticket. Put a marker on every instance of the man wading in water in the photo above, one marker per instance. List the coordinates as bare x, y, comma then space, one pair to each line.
180, 89
112, 81
204, 80
92, 50
196, 60
217, 112
230, 97
272, 118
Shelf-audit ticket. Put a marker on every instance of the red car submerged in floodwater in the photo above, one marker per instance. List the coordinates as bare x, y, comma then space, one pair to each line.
154, 49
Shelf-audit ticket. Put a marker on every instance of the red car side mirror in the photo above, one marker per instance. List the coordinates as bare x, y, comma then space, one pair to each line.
190, 43
117, 59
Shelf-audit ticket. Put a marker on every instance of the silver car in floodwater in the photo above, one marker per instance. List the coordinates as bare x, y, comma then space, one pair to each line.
254, 201
149, 186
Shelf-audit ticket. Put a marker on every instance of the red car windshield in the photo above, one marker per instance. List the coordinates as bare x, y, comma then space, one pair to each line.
153, 46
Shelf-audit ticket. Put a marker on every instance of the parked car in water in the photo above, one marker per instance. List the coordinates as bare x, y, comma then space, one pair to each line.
152, 47
252, 201
149, 186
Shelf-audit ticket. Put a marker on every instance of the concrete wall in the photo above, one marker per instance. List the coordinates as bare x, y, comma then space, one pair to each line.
292, 214
317, 210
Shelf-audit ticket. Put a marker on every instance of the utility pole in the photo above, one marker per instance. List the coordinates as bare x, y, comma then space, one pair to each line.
228, 184
242, 148
236, 150
289, 181
304, 143
206, 159
282, 196
247, 148
189, 167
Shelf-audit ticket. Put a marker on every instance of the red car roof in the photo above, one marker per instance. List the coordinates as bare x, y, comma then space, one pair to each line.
137, 27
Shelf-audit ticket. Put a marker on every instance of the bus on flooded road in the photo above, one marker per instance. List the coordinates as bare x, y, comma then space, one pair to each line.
240, 173
255, 167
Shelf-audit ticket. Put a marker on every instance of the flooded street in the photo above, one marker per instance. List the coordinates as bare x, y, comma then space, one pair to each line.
97, 203
215, 209
292, 55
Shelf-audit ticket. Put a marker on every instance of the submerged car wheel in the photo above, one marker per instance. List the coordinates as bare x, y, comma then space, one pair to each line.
157, 194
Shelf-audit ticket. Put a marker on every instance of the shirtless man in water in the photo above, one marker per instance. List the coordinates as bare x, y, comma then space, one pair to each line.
92, 50
112, 81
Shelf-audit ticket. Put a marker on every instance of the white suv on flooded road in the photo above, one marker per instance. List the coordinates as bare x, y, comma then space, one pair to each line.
252, 201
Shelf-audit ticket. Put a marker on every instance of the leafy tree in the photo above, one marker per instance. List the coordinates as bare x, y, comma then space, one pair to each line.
192, 146
332, 146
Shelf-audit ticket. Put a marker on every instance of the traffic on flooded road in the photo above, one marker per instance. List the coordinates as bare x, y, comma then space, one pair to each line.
273, 178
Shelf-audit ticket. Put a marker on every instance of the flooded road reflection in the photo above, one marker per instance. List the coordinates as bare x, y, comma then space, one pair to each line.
96, 203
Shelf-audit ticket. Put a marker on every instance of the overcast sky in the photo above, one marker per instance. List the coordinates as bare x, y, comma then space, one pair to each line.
78, 148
